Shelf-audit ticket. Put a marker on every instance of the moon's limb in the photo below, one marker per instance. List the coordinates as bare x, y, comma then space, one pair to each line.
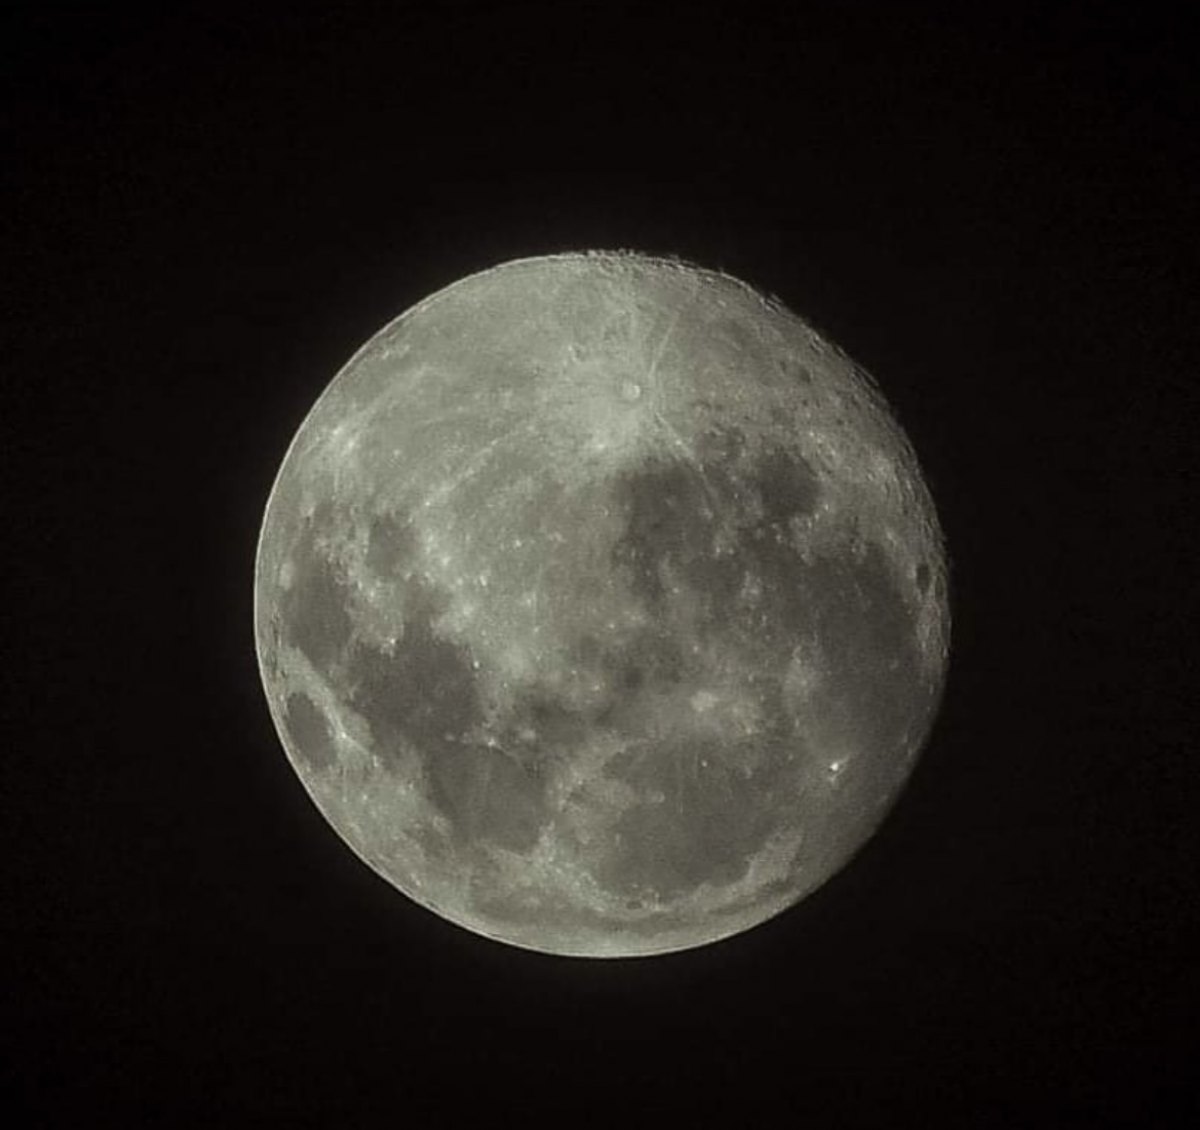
589, 672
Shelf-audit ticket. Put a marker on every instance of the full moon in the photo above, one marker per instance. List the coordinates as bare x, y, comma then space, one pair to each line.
601, 606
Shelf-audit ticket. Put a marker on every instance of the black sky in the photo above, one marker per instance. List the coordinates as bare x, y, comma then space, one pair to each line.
207, 212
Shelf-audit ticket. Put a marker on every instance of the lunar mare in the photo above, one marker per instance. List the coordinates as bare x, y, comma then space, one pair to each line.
600, 605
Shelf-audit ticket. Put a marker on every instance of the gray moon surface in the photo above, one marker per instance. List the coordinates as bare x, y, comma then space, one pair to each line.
601, 606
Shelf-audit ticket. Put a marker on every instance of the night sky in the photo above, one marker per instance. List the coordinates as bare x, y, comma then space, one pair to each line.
207, 212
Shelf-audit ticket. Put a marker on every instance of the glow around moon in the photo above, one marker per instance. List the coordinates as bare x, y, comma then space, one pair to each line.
600, 605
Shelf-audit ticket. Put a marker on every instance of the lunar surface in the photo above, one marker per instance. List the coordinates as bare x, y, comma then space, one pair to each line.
600, 605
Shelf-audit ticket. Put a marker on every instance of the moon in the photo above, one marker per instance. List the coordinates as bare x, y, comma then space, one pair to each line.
601, 606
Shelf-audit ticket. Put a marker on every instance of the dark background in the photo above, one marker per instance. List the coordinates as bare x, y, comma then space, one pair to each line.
207, 212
